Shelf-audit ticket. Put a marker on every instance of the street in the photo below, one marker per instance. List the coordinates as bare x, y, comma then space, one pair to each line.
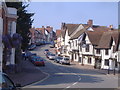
67, 76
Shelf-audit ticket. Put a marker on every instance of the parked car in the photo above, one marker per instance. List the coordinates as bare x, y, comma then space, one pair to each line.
47, 54
57, 59
32, 56
38, 43
7, 84
65, 60
51, 46
51, 56
46, 50
31, 47
39, 62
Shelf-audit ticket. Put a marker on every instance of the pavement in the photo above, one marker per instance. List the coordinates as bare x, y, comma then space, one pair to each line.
28, 75
103, 71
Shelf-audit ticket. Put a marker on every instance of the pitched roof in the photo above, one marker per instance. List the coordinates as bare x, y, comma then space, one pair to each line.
58, 33
80, 32
71, 28
41, 29
94, 36
49, 29
106, 39
63, 33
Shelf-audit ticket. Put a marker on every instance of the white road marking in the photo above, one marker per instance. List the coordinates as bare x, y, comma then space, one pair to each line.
74, 83
68, 86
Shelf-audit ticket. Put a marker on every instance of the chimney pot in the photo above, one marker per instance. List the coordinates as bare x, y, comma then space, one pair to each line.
90, 22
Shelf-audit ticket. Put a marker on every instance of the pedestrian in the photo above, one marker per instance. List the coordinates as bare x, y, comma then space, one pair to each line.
26, 55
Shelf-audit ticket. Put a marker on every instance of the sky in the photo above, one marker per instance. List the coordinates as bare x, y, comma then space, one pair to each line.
54, 13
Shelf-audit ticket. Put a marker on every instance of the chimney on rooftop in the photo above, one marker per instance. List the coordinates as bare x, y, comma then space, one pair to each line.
63, 26
90, 22
111, 27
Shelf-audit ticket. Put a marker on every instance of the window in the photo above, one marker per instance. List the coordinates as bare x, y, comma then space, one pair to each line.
87, 48
10, 27
73, 43
89, 60
98, 51
106, 51
75, 56
70, 44
116, 63
107, 62
76, 42
80, 48
80, 59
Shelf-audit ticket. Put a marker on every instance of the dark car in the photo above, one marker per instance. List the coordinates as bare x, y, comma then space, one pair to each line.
46, 50
31, 47
39, 62
32, 56
48, 53
7, 84
57, 59
38, 43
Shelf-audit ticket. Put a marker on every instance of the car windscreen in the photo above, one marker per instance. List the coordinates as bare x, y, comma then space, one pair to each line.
60, 57
66, 58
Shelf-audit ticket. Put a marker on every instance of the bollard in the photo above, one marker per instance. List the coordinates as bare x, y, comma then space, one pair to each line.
108, 71
114, 71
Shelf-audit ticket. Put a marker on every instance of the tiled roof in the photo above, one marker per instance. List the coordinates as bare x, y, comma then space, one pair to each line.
41, 29
63, 33
58, 33
49, 29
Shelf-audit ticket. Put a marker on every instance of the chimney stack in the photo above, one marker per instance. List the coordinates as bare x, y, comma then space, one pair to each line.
90, 22
63, 26
111, 27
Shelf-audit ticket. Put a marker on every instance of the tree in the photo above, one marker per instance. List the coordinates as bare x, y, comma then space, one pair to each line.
24, 21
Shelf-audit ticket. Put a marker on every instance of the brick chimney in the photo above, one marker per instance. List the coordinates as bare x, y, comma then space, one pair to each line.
90, 22
63, 26
111, 27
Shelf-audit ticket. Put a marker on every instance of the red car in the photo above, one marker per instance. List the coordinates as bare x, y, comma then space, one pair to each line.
39, 62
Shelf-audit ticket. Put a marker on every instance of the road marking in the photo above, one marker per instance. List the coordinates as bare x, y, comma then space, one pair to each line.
68, 86
79, 79
74, 83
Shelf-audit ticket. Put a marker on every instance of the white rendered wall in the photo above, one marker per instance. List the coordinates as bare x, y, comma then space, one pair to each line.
1, 45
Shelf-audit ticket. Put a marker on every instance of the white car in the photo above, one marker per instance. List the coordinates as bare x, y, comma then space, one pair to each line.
51, 56
65, 60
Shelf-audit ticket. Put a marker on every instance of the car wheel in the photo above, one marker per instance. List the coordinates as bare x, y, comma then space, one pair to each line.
61, 63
